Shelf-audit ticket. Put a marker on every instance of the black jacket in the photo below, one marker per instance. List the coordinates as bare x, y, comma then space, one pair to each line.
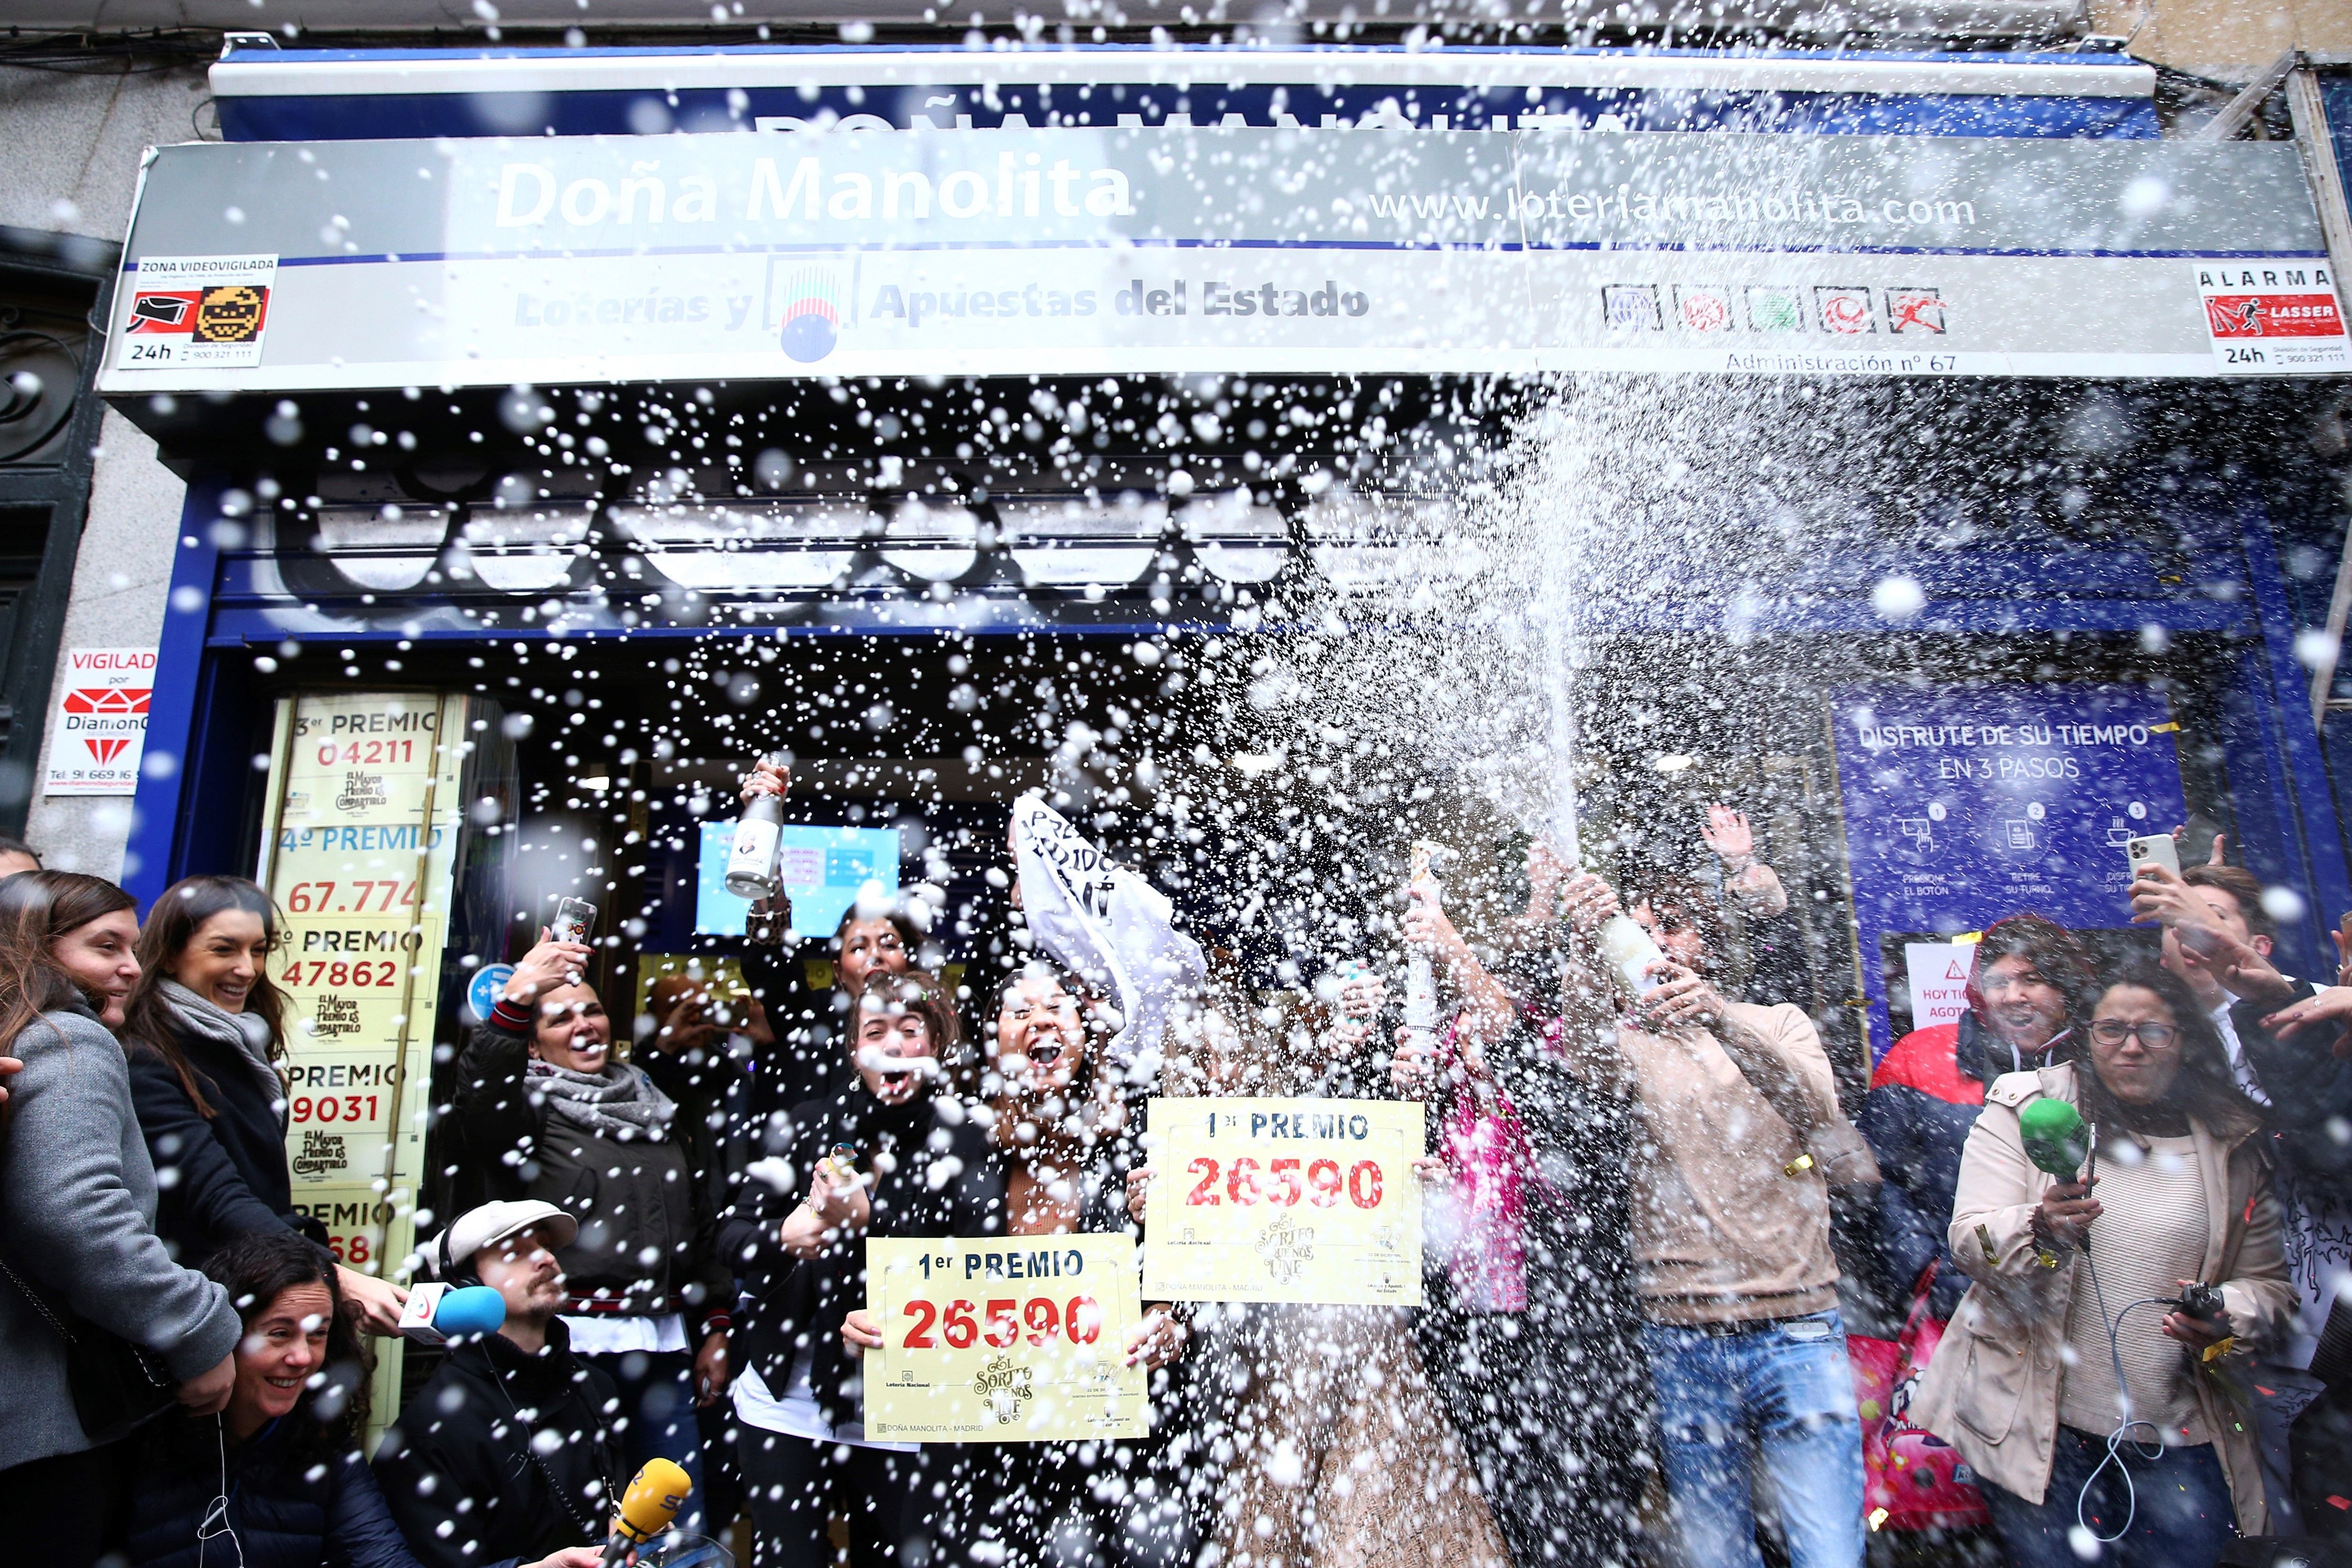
2310, 1090
787, 1298
514, 1453
629, 1197
287, 1508
229, 1173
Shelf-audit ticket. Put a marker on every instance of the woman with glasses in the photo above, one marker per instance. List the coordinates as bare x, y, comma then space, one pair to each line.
2093, 1376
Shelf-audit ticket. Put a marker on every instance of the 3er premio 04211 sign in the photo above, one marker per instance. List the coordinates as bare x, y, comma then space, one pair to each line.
1283, 1200
1020, 1340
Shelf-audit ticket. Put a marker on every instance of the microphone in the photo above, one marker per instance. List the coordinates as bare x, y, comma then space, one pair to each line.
2057, 1142
437, 1313
648, 1508
2055, 1138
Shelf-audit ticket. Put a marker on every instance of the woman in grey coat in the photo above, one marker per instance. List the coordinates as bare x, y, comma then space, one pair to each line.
77, 1211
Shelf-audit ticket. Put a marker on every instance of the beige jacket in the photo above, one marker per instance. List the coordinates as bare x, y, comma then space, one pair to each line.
1992, 1390
1724, 1232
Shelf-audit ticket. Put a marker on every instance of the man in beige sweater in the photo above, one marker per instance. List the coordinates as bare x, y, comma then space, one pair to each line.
1731, 1232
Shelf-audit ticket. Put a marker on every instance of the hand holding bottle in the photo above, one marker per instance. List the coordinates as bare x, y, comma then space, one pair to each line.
769, 776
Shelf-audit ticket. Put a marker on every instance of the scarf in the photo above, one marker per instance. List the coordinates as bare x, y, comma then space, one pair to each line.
247, 1035
619, 1103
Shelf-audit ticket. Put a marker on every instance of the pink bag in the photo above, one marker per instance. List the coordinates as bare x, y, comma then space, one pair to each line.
1915, 1480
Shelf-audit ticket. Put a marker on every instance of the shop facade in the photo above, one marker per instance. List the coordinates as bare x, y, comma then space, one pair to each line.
933, 416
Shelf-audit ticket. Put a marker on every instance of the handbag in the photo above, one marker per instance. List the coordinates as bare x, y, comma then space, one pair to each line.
1913, 1479
116, 1386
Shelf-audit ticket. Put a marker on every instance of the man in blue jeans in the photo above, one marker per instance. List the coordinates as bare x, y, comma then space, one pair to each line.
1731, 1232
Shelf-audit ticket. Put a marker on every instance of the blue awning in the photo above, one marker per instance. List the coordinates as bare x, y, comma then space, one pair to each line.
270, 95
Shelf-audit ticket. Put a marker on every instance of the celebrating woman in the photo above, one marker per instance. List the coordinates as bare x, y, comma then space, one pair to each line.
547, 1110
891, 1152
205, 1027
77, 1215
2085, 1378
1068, 1143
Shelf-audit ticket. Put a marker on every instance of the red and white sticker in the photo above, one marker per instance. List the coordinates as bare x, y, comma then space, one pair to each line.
207, 310
2263, 317
98, 728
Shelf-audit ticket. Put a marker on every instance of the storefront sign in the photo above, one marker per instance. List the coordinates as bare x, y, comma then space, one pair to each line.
366, 810
98, 730
1964, 806
1243, 249
1283, 1200
1938, 977
1017, 1341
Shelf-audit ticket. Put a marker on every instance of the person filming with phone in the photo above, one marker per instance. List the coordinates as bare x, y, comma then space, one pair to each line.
551, 1116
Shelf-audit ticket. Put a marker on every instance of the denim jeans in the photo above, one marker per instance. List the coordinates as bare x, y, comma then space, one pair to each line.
2181, 1508
1781, 1396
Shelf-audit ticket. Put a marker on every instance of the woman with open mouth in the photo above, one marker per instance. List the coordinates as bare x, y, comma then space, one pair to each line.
893, 1151
1070, 1140
549, 1114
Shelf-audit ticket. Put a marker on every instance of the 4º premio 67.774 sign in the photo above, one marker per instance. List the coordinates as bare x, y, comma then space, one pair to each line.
1283, 1200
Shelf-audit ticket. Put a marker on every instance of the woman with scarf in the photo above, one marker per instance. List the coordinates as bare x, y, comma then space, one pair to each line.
205, 1028
552, 1117
892, 1152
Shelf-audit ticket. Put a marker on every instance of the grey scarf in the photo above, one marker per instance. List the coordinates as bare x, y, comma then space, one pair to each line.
246, 1034
619, 1103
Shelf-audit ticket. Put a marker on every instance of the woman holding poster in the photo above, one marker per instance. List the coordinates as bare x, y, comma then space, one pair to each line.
1344, 1455
1070, 1141
891, 1152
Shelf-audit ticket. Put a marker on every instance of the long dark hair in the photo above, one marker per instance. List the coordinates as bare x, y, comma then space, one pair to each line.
170, 926
2204, 1091
2056, 955
37, 907
260, 1266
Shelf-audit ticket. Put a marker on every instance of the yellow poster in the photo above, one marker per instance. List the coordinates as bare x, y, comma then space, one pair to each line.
358, 855
1015, 1340
1283, 1200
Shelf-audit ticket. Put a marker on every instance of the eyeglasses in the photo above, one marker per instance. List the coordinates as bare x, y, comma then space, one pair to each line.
2153, 1035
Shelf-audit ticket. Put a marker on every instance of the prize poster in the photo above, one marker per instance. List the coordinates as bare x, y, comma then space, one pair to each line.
1283, 1200
1018, 1339
367, 806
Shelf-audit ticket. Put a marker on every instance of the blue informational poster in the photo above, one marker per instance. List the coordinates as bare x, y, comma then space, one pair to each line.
1963, 805
822, 870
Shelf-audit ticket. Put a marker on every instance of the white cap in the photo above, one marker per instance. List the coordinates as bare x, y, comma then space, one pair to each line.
493, 1223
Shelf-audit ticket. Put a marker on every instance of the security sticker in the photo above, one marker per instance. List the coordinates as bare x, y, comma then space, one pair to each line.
197, 310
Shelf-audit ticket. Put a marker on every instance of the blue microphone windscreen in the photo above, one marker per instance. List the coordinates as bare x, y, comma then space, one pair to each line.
474, 1309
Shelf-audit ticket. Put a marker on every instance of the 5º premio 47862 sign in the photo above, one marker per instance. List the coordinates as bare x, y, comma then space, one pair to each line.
1016, 1341
1283, 1200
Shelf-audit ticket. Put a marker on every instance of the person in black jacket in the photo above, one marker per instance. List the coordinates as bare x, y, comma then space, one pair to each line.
548, 1112
509, 1451
915, 1161
275, 1479
203, 1029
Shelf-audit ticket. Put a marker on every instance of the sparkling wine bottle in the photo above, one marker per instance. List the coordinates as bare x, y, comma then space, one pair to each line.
751, 864
1629, 952
1420, 984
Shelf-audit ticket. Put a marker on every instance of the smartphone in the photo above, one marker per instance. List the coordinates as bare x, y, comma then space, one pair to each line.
2155, 849
575, 919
